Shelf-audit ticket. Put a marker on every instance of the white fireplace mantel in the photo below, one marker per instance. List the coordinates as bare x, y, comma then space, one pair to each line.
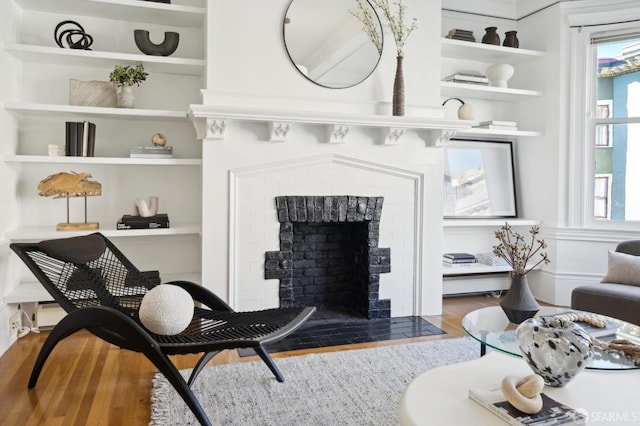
212, 121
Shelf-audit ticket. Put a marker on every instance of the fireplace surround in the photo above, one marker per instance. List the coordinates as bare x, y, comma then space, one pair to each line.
246, 164
329, 255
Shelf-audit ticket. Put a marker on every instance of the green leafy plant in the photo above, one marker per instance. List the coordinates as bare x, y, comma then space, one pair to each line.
128, 75
517, 252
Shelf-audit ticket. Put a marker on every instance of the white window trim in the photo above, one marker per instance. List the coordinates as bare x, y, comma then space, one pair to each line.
582, 115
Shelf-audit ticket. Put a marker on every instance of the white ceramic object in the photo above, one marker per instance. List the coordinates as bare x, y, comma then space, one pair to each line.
144, 209
124, 97
499, 74
465, 112
555, 349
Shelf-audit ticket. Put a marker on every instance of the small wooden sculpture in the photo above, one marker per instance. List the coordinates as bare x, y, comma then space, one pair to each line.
71, 185
524, 392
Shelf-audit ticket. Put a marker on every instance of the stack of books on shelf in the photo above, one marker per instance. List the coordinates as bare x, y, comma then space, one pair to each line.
161, 220
157, 152
552, 413
466, 78
458, 34
80, 139
497, 125
459, 259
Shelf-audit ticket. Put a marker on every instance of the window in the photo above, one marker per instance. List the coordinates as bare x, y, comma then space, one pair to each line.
616, 126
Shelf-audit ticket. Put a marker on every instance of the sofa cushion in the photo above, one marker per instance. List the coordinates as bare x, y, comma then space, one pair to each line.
623, 269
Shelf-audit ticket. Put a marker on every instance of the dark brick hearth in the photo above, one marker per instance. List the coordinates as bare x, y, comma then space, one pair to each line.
329, 255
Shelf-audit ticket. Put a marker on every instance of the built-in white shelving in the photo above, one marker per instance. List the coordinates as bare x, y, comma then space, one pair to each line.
483, 133
103, 160
91, 58
473, 269
477, 91
458, 49
36, 233
129, 10
38, 110
488, 223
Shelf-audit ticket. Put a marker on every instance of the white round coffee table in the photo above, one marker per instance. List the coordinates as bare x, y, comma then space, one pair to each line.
440, 396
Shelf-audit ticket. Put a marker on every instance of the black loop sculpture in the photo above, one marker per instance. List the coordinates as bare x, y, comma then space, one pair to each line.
166, 48
76, 38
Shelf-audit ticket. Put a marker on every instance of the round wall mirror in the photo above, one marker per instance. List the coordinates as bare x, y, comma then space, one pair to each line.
329, 45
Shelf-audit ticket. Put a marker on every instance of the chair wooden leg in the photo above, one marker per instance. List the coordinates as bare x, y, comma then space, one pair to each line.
166, 367
202, 362
64, 328
267, 360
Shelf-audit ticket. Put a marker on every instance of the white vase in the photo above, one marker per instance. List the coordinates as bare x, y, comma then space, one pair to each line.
499, 74
124, 97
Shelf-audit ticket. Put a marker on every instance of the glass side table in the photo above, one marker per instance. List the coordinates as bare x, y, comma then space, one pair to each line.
491, 328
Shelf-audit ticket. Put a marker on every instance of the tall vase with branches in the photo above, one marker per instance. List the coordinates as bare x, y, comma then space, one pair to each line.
397, 23
523, 256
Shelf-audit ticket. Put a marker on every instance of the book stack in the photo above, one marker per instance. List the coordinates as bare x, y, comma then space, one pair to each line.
498, 125
80, 139
151, 152
459, 258
552, 413
467, 78
161, 220
458, 34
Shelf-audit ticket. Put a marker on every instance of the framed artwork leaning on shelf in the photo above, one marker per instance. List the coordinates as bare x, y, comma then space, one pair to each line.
479, 180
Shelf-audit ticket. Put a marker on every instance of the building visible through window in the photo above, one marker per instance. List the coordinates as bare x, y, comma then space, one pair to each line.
617, 129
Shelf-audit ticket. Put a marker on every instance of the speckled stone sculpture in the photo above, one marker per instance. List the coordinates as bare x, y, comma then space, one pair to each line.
555, 349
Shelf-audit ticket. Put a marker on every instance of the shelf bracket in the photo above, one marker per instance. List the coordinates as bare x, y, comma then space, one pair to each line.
216, 128
279, 131
337, 133
392, 135
439, 138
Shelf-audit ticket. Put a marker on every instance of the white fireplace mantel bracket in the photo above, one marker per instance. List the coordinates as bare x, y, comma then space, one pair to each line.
211, 122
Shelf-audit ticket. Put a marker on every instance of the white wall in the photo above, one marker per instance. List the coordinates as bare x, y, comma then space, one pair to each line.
248, 63
252, 69
9, 70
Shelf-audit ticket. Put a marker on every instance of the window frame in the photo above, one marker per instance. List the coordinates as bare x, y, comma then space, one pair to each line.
583, 118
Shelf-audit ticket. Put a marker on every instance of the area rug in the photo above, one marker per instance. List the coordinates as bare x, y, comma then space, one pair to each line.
355, 387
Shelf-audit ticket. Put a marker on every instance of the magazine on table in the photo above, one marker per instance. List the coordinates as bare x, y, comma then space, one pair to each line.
553, 412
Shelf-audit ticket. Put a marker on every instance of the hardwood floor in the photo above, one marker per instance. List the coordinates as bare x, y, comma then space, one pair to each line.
87, 381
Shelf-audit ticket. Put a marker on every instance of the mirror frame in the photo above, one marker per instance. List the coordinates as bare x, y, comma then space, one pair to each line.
500, 184
293, 62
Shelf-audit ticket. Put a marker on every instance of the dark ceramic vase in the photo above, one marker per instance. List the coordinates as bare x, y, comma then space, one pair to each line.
491, 36
398, 89
519, 303
510, 39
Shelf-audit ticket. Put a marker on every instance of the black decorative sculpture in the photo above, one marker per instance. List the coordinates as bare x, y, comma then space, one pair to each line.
166, 48
76, 38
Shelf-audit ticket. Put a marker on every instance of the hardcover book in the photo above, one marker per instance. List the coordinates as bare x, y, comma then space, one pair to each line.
458, 256
150, 225
160, 217
553, 412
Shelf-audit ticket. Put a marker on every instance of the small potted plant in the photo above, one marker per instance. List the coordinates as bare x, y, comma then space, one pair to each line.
124, 77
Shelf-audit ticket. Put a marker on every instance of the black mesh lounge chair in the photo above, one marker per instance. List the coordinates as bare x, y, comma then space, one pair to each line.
101, 291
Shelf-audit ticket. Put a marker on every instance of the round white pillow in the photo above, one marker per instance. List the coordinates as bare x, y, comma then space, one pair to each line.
166, 309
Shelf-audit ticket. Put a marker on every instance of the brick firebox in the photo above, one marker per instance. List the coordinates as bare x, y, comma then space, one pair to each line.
329, 255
